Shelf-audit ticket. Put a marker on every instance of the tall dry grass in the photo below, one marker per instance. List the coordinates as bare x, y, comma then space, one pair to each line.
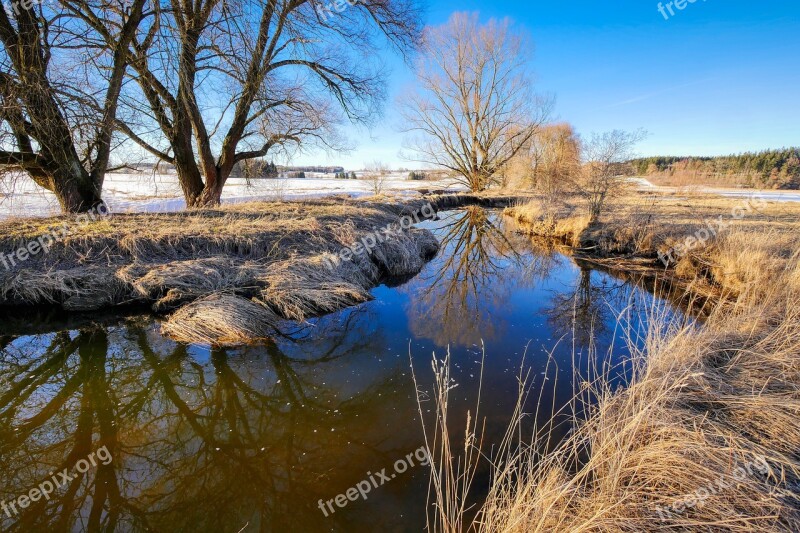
676, 450
706, 437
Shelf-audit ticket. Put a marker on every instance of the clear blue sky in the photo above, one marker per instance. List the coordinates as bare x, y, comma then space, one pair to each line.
718, 77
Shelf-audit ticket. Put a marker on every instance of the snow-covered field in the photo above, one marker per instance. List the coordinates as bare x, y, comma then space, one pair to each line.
768, 195
21, 197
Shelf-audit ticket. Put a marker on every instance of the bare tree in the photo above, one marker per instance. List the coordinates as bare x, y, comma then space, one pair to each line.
604, 155
377, 174
227, 81
474, 108
58, 106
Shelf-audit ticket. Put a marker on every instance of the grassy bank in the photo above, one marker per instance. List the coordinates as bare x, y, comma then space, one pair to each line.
227, 275
706, 437
284, 256
712, 245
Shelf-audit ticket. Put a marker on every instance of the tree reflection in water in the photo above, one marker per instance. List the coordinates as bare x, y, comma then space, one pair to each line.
479, 267
484, 263
256, 435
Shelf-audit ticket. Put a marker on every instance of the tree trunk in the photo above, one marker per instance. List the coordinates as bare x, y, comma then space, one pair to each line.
189, 175
74, 190
212, 193
211, 197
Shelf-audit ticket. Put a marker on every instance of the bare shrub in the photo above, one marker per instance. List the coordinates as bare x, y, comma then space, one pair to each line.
377, 174
604, 154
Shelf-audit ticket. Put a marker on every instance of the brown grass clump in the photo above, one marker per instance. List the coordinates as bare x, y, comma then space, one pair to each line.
221, 320
405, 254
177, 282
74, 289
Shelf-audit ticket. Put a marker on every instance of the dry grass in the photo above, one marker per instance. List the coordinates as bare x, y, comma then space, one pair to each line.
637, 227
266, 249
300, 289
171, 284
221, 320
706, 435
706, 438
564, 223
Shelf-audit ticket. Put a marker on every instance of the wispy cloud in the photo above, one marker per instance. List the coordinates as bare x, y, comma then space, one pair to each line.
648, 96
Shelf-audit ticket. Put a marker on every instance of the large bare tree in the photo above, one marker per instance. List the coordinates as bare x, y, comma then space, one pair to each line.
59, 91
221, 82
474, 107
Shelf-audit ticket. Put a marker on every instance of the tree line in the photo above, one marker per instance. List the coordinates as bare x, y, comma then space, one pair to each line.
202, 85
768, 168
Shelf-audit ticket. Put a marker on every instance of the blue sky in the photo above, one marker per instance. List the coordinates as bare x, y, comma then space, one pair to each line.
718, 77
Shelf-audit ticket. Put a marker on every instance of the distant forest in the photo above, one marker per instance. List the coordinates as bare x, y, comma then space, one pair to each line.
772, 169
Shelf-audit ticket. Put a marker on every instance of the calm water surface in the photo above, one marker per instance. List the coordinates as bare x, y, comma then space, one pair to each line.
251, 439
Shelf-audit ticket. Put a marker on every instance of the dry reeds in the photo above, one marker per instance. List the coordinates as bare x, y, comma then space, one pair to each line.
704, 439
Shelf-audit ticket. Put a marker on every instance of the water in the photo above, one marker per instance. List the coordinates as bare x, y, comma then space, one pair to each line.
259, 438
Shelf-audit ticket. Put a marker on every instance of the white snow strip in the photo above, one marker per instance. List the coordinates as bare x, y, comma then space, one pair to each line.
161, 193
769, 195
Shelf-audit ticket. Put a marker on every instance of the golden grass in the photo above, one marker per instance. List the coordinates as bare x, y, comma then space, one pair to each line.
637, 227
706, 435
704, 439
564, 223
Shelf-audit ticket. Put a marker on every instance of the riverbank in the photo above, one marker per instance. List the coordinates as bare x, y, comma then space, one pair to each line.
711, 246
705, 437
270, 260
